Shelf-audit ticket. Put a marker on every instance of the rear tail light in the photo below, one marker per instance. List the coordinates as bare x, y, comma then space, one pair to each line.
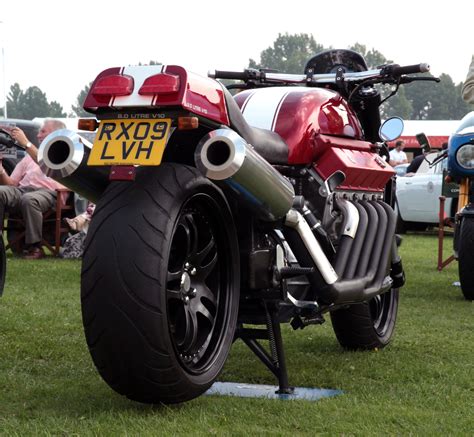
112, 86
161, 83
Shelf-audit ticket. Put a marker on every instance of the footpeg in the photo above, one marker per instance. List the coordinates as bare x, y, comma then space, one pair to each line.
292, 272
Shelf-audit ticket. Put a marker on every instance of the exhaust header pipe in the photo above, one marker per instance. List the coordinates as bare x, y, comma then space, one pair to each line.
225, 157
63, 156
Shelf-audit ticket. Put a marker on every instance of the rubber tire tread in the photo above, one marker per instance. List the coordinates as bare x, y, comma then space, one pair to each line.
125, 260
466, 257
354, 326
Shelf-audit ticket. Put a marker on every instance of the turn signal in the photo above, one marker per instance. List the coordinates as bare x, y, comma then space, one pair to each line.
188, 123
90, 124
448, 179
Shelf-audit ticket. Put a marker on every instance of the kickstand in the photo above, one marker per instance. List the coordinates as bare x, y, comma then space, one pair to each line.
275, 361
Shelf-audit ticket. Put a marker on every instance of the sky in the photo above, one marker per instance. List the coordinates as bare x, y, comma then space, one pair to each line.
60, 46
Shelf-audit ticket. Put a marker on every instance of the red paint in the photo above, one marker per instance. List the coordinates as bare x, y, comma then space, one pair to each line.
364, 170
122, 173
93, 101
306, 116
200, 95
436, 141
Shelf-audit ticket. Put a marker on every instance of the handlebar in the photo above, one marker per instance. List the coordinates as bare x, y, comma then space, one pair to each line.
410, 69
384, 74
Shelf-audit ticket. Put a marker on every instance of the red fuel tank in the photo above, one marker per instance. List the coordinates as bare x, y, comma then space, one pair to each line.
318, 126
299, 115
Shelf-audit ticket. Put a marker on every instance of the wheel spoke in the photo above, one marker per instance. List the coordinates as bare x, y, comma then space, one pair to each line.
200, 256
205, 312
193, 235
190, 334
204, 271
173, 294
173, 276
204, 291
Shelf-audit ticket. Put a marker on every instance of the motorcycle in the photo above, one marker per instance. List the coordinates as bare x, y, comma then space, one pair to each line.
219, 214
461, 170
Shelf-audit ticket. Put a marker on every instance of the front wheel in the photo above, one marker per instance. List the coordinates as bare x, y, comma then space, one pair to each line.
160, 285
368, 325
466, 258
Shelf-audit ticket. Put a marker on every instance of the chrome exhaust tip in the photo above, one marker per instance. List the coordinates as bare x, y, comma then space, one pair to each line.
61, 153
225, 157
63, 156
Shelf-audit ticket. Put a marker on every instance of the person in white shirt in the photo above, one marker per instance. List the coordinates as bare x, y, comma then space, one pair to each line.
397, 155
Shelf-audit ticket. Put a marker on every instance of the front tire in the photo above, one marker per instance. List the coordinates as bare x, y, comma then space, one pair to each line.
160, 285
368, 325
466, 258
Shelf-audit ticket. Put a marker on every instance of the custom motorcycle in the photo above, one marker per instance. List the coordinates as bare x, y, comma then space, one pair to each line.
220, 213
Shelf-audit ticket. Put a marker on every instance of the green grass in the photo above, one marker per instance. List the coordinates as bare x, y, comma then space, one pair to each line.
422, 384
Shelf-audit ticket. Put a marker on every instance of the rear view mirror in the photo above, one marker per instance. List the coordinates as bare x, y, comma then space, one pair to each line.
423, 142
391, 129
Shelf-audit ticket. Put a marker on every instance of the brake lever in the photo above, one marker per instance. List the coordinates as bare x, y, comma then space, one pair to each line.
409, 79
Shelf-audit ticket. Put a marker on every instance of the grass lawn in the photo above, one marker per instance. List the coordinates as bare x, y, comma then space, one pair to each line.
422, 384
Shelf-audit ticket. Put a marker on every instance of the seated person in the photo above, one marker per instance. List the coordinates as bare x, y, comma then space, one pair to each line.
28, 189
415, 164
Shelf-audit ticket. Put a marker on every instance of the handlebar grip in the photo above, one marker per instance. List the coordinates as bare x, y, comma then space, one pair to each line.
410, 69
236, 75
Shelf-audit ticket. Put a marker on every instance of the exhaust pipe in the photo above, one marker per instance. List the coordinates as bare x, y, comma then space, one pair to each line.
63, 156
225, 157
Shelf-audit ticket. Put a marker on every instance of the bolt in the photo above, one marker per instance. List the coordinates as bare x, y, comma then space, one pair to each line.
193, 271
186, 300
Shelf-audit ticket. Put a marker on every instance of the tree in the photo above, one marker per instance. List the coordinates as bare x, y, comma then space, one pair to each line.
289, 53
373, 58
31, 103
77, 108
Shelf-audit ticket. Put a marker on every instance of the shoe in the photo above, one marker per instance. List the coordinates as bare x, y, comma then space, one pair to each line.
35, 253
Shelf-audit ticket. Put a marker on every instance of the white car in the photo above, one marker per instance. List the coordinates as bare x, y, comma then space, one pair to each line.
418, 194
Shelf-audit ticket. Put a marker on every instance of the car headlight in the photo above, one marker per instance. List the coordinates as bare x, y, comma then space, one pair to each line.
465, 156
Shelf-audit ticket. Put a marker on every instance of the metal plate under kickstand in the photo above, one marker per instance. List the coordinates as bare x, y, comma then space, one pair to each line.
269, 391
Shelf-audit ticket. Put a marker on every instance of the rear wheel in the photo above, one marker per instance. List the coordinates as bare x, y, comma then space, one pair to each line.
160, 285
367, 325
466, 258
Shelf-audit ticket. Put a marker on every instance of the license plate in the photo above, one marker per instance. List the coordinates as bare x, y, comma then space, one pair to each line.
130, 142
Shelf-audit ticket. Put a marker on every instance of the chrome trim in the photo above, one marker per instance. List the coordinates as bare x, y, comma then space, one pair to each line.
352, 219
236, 145
246, 174
296, 221
63, 156
64, 139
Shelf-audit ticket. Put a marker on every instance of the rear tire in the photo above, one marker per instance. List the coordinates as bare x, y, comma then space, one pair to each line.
368, 325
160, 285
466, 257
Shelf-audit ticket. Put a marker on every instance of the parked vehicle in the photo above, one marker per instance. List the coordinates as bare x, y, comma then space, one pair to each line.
417, 204
401, 169
217, 214
461, 170
10, 152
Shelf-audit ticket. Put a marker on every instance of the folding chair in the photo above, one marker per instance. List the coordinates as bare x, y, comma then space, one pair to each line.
53, 226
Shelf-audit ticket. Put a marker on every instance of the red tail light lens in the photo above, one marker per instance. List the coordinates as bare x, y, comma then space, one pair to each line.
113, 85
161, 83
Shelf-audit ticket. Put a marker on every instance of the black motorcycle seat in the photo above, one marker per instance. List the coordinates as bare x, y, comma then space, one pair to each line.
267, 143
